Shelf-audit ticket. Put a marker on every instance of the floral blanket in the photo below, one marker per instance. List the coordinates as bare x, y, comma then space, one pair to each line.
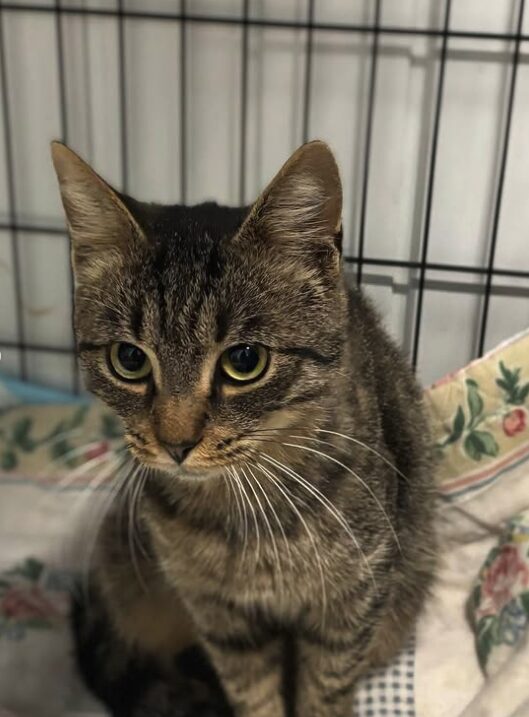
470, 653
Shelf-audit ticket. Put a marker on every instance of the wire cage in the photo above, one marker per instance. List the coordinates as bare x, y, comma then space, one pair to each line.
425, 102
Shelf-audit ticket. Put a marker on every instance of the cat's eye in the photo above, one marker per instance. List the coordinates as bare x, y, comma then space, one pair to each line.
244, 362
129, 362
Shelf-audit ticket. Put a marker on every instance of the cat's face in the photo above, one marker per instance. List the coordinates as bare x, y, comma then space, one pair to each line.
206, 328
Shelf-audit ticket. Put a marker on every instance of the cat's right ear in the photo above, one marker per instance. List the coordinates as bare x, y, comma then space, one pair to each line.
100, 225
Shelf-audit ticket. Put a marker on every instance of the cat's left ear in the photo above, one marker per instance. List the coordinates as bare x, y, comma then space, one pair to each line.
303, 203
100, 225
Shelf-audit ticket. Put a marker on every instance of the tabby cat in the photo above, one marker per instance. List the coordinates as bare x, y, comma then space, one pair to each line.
278, 453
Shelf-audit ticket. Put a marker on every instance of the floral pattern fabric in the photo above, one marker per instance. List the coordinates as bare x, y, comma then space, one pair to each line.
25, 438
475, 441
31, 598
480, 420
499, 604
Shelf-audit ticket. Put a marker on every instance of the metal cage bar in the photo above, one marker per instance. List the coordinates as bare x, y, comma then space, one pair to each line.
501, 179
183, 103
309, 47
60, 232
64, 135
261, 22
367, 143
244, 101
11, 202
431, 181
122, 60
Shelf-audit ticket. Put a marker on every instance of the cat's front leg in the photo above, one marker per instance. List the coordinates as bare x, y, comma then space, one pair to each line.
330, 664
248, 660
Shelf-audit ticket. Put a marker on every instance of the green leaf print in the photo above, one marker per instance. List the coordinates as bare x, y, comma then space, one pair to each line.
515, 394
60, 451
32, 569
524, 599
475, 402
111, 427
522, 394
457, 427
472, 447
488, 443
485, 639
78, 417
8, 460
475, 596
21, 431
508, 376
480, 443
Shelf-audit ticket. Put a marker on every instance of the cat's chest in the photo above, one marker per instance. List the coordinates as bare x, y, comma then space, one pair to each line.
207, 561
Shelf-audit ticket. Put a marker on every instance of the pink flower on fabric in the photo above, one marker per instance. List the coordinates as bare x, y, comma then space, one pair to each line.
98, 450
514, 422
27, 604
504, 579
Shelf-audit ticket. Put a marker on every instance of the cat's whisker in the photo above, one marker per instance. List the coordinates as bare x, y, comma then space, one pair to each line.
277, 519
83, 468
352, 439
323, 500
235, 494
282, 489
116, 467
74, 476
144, 475
55, 438
229, 498
69, 455
244, 499
341, 464
256, 522
358, 478
368, 448
103, 510
134, 483
269, 527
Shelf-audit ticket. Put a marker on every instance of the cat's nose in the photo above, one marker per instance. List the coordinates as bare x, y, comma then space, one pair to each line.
180, 451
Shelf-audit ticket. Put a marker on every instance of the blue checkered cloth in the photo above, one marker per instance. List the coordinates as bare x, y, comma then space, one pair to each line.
389, 691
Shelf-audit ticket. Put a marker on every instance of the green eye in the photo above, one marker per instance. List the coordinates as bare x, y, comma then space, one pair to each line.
244, 362
129, 362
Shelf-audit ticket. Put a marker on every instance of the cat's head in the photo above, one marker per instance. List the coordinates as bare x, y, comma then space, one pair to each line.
206, 327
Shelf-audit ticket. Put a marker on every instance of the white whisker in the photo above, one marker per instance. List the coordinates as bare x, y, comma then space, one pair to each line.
358, 478
323, 500
235, 494
73, 453
269, 527
134, 484
116, 466
277, 519
267, 473
368, 448
244, 499
256, 522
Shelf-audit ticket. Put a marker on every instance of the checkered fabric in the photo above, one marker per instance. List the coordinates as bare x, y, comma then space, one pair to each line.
389, 691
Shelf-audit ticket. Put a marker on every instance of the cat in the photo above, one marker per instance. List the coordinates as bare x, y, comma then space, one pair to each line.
278, 445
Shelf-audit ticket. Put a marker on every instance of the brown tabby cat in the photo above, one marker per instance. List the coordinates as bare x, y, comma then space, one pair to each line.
278, 441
